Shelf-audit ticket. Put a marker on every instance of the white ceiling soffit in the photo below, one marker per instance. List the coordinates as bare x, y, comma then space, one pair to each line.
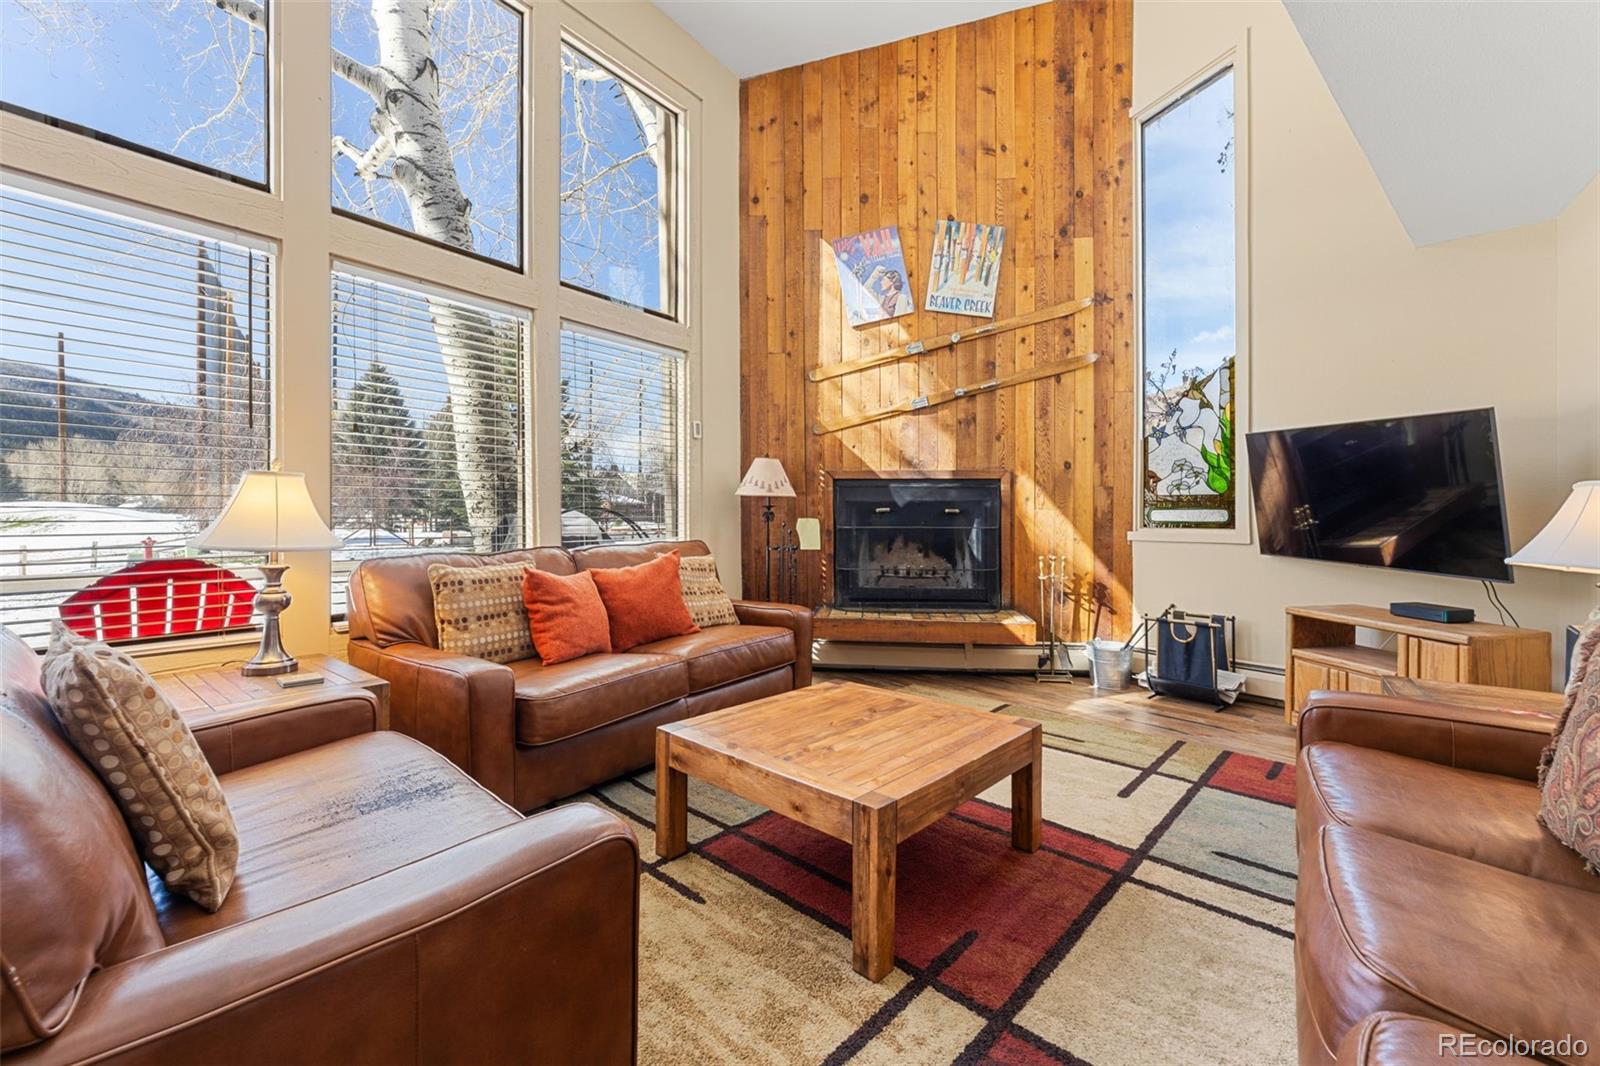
756, 36
1476, 115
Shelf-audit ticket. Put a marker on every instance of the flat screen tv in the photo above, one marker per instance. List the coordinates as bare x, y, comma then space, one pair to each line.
1416, 493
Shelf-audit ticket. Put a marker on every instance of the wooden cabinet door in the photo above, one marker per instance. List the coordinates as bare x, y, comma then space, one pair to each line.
1358, 682
1434, 660
1308, 676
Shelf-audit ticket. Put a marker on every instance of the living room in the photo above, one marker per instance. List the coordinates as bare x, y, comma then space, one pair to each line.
502, 559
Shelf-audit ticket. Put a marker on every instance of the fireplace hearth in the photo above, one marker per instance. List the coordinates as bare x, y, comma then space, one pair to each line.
920, 543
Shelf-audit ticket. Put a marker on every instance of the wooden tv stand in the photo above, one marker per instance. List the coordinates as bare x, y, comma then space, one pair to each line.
1322, 653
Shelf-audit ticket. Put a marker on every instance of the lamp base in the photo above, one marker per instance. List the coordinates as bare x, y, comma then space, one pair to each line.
270, 658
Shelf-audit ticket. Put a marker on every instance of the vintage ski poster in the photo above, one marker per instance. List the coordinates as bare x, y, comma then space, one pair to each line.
872, 276
965, 269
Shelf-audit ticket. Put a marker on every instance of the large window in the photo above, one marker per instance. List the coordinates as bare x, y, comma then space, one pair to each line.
427, 424
135, 388
616, 186
427, 120
172, 314
186, 79
621, 440
1187, 287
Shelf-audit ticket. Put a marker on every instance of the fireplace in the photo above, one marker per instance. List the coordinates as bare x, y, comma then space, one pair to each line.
917, 543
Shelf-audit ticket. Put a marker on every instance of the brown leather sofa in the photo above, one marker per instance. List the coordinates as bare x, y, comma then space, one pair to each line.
532, 733
1427, 888
386, 908
1390, 1039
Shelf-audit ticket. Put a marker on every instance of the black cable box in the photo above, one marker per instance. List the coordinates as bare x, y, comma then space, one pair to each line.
1432, 612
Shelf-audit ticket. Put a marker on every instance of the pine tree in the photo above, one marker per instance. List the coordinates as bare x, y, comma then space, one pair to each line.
442, 499
380, 451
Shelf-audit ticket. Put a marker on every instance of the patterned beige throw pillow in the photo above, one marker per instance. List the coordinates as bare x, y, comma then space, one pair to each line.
703, 593
1569, 772
127, 730
479, 611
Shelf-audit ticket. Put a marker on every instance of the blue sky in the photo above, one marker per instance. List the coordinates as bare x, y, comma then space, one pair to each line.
1188, 229
630, 269
118, 68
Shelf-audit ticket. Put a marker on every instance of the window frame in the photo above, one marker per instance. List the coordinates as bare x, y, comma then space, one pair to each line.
576, 307
673, 267
524, 129
375, 275
74, 197
1236, 58
685, 503
294, 213
269, 77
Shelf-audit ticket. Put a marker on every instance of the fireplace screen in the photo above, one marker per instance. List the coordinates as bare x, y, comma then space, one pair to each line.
930, 543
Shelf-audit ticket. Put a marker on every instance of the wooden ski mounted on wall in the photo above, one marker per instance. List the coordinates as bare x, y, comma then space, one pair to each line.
946, 340
934, 399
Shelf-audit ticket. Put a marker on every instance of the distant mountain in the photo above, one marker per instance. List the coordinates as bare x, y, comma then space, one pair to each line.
28, 406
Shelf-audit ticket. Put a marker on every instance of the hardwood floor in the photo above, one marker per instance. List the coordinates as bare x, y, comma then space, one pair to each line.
1248, 727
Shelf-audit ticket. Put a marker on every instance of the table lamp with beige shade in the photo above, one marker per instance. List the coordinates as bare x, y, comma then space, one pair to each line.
766, 478
1570, 541
270, 511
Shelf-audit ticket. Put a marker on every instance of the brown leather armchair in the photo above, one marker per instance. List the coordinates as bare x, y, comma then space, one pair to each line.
532, 733
1427, 887
386, 908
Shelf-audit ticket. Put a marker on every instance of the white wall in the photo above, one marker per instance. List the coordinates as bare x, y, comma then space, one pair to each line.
1578, 337
1350, 321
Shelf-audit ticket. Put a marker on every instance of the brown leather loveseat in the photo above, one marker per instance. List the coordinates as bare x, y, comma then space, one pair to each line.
386, 908
533, 733
1427, 888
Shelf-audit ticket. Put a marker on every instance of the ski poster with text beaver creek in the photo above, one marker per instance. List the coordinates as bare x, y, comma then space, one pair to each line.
872, 276
965, 269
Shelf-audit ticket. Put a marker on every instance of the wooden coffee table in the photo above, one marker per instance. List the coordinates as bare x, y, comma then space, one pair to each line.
865, 765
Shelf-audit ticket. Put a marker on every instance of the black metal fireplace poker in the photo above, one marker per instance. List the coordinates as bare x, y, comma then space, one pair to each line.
1049, 596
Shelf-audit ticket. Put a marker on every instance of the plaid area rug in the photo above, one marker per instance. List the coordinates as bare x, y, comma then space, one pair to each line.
1154, 926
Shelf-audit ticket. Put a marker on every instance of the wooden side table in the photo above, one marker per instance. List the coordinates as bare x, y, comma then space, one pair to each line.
222, 690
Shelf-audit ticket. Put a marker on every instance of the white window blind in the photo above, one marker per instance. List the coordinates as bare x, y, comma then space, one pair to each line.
621, 439
135, 388
428, 439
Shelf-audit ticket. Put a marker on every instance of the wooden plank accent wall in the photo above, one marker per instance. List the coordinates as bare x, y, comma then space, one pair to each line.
1021, 120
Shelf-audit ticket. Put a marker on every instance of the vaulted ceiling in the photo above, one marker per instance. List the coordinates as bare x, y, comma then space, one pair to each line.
757, 36
1476, 115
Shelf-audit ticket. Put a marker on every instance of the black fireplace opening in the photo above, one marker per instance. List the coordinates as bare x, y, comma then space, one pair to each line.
921, 543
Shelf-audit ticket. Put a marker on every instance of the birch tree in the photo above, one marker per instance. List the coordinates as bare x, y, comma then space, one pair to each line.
428, 137
410, 147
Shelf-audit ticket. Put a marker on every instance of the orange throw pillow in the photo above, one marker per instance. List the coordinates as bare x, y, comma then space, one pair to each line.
644, 602
565, 616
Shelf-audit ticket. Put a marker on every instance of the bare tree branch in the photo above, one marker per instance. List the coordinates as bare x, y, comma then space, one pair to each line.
356, 73
248, 10
363, 77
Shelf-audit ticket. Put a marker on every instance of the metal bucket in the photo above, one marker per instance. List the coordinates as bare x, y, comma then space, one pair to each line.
1110, 665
